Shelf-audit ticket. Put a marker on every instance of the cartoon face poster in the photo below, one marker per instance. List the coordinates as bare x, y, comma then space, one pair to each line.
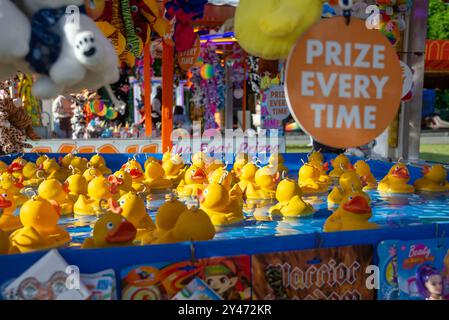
388, 268
321, 274
229, 277
421, 270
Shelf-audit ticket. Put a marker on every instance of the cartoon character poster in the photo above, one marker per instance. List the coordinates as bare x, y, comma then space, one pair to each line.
229, 277
388, 268
317, 274
421, 270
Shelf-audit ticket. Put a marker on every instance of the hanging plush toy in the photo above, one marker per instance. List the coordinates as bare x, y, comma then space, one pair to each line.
269, 28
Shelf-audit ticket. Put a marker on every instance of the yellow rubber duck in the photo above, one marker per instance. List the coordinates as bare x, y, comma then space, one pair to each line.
65, 161
309, 180
98, 190
317, 159
274, 22
349, 182
364, 171
166, 218
111, 230
340, 165
396, 181
266, 180
3, 166
14, 186
53, 170
247, 175
91, 173
434, 180
135, 170
277, 160
4, 242
217, 203
16, 167
32, 175
8, 221
193, 225
79, 163
133, 209
195, 180
174, 169
97, 161
353, 214
213, 164
77, 184
155, 177
52, 189
241, 160
40, 229
217, 175
291, 204
315, 156
200, 159
123, 180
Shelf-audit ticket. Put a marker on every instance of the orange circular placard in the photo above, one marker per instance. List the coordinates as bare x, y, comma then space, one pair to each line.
343, 83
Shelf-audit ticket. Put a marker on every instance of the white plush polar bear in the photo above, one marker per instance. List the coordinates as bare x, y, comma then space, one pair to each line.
87, 59
15, 33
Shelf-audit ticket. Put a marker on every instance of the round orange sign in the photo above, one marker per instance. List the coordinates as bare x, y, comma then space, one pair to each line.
343, 83
188, 58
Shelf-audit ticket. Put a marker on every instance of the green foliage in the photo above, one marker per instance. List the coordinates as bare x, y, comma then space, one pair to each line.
438, 25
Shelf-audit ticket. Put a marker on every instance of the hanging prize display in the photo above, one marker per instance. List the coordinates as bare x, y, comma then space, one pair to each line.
342, 87
276, 103
188, 58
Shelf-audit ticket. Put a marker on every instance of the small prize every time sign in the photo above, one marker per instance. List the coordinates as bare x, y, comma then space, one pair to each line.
276, 103
343, 82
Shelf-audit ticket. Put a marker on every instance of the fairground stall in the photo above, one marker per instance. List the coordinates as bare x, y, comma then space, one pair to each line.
176, 183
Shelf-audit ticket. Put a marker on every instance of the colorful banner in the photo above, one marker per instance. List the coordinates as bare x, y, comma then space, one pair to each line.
323, 274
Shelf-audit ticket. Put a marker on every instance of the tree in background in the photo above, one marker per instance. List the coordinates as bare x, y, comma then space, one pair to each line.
438, 25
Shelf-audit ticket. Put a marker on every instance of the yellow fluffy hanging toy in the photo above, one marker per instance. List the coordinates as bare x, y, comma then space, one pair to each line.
270, 28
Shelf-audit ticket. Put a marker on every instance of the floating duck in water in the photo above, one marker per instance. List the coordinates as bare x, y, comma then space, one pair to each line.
349, 182
217, 202
309, 180
123, 180
16, 167
77, 185
434, 180
133, 209
4, 242
240, 161
135, 170
40, 229
353, 214
217, 176
52, 189
195, 180
340, 165
166, 218
247, 175
193, 225
265, 179
174, 169
155, 177
65, 161
111, 230
274, 22
8, 221
99, 189
291, 204
317, 159
79, 163
33, 175
396, 181
276, 160
97, 161
53, 170
14, 186
92, 173
364, 171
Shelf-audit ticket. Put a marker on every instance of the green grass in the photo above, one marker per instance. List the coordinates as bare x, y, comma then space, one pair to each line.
429, 152
435, 152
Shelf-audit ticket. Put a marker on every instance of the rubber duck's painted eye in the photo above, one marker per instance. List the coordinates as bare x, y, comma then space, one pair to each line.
350, 198
134, 8
122, 202
5, 195
193, 171
206, 191
110, 226
120, 176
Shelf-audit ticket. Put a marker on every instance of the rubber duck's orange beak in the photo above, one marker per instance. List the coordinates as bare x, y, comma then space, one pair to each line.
65, 187
350, 166
135, 173
425, 170
114, 206
326, 166
401, 173
125, 232
15, 167
357, 205
115, 182
199, 174
56, 206
40, 167
19, 183
4, 203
